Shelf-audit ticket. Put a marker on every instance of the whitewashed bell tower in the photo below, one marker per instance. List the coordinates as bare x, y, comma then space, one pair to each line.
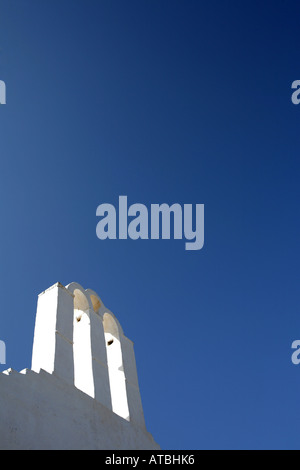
89, 377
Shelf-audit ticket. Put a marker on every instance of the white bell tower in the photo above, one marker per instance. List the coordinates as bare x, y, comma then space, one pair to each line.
79, 340
82, 390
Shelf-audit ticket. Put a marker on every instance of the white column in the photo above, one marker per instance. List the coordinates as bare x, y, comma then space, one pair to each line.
53, 334
99, 361
131, 380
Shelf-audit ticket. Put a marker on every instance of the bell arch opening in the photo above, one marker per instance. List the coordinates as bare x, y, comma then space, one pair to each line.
95, 302
115, 367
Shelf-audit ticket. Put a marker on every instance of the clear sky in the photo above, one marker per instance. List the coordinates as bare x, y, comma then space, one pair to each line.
163, 101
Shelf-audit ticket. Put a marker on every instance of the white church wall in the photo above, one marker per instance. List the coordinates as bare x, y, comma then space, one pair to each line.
41, 411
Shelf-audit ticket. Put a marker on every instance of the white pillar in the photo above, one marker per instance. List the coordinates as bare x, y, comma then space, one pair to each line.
131, 379
53, 333
99, 361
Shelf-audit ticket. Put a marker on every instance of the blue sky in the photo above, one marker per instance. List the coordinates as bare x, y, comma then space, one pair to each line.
162, 101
